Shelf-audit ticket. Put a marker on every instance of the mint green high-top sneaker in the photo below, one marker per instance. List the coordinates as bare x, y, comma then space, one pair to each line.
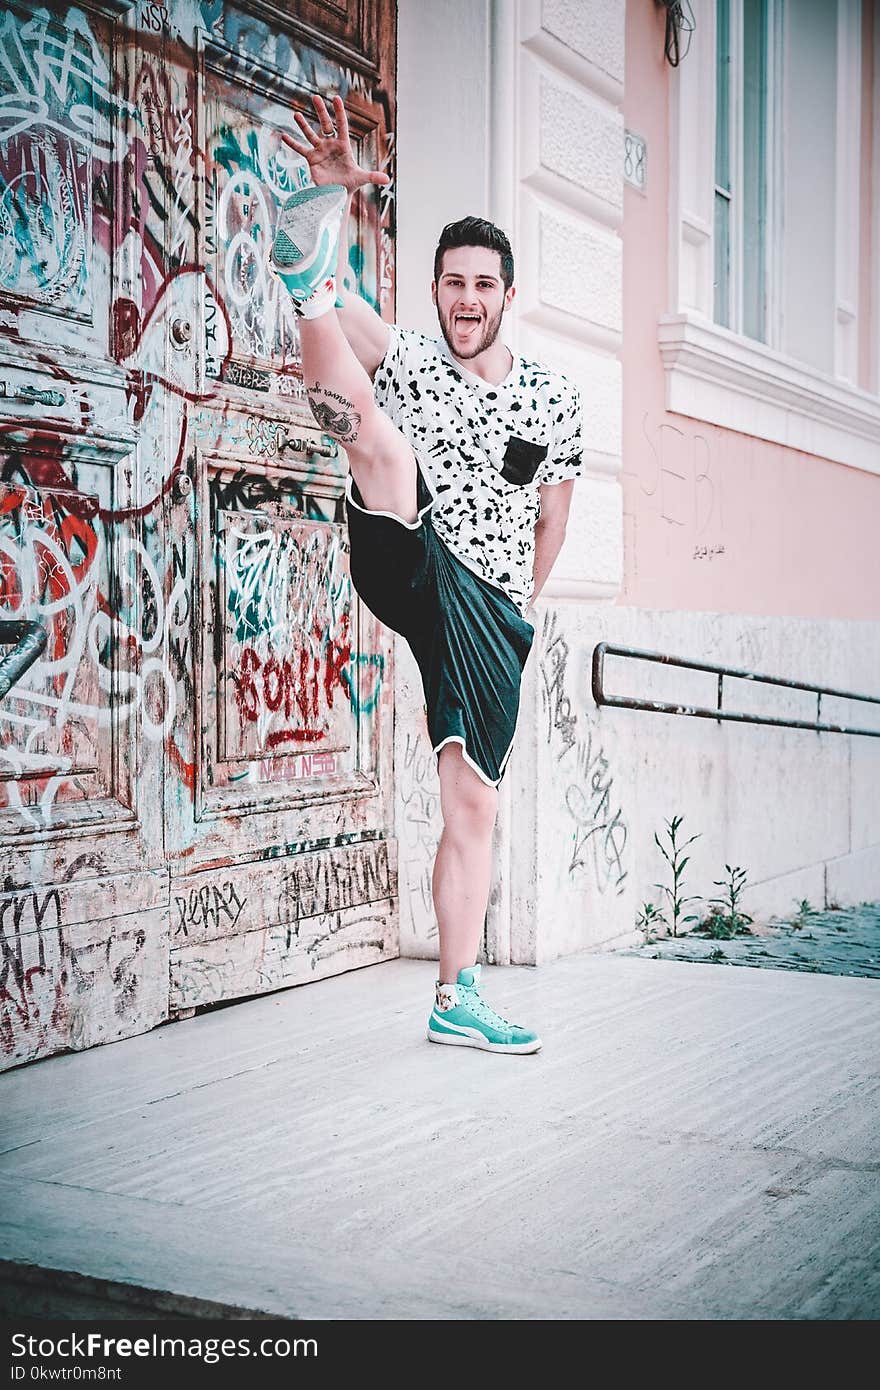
304, 252
462, 1017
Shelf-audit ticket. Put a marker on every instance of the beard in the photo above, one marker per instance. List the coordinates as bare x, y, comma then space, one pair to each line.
484, 341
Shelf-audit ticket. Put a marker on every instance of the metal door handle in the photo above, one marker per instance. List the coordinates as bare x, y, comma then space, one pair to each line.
31, 395
307, 446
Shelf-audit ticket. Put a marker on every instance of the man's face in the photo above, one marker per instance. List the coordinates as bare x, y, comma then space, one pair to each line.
470, 298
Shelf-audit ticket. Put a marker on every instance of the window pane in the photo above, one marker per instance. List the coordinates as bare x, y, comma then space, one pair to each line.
722, 163
809, 123
722, 94
722, 260
754, 190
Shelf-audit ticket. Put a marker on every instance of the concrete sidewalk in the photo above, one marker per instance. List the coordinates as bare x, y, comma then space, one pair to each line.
692, 1142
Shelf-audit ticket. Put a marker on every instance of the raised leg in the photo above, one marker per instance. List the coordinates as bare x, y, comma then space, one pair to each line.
341, 397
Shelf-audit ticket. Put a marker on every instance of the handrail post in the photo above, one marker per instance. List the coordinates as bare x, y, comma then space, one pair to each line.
720, 695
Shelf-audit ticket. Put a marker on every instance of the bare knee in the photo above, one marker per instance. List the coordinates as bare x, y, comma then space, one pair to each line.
469, 804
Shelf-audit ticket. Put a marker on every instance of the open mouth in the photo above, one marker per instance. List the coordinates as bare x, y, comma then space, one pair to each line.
464, 322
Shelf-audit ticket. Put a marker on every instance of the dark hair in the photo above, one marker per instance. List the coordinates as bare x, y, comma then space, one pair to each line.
475, 231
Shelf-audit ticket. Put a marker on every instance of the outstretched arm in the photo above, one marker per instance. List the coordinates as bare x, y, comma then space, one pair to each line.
329, 154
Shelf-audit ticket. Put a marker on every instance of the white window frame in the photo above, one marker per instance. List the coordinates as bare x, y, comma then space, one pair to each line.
722, 377
773, 242
875, 257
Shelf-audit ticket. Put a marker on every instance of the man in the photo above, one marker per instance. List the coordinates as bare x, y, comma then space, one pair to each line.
462, 461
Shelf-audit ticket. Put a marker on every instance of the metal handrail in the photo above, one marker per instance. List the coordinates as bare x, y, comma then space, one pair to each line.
604, 649
28, 640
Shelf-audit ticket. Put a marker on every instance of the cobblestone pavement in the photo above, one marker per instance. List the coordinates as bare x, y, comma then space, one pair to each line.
841, 941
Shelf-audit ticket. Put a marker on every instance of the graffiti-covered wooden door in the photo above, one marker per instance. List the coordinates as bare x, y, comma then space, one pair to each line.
195, 773
84, 920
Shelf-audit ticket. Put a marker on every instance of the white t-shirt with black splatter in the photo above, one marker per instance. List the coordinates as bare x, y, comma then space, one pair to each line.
459, 427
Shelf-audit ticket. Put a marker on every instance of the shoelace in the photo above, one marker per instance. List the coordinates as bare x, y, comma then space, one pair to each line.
484, 1012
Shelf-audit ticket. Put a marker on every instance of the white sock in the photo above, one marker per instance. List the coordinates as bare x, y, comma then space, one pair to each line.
319, 302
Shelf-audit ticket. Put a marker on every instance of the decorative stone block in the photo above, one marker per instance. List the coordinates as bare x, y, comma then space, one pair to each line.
580, 139
581, 271
593, 28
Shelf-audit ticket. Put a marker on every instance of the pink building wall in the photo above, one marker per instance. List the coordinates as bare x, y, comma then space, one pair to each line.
715, 520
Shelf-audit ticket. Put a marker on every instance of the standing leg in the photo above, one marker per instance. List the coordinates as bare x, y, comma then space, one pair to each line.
462, 873
463, 866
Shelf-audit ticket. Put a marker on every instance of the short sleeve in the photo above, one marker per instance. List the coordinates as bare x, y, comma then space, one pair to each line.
566, 457
390, 369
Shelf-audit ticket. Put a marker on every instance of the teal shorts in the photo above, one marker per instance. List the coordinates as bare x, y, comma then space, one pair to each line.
469, 639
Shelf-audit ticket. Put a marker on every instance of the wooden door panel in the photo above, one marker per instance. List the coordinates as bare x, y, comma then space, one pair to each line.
58, 117
243, 930
284, 612
68, 561
250, 336
283, 671
356, 31
249, 172
294, 691
262, 960
81, 962
53, 564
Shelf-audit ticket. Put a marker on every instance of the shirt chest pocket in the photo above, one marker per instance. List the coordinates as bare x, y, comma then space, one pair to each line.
522, 459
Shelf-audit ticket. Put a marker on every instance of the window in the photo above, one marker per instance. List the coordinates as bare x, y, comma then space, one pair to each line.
777, 106
767, 209
754, 168
813, 182
723, 190
741, 126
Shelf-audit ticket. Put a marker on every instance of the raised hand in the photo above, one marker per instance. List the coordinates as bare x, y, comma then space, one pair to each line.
329, 153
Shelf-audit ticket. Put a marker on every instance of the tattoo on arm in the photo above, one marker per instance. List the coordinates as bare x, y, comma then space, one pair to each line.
335, 415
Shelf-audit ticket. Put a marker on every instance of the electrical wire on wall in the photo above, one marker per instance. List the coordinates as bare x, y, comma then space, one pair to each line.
680, 24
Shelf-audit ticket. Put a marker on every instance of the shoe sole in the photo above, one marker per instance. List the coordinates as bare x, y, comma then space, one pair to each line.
296, 253
457, 1040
